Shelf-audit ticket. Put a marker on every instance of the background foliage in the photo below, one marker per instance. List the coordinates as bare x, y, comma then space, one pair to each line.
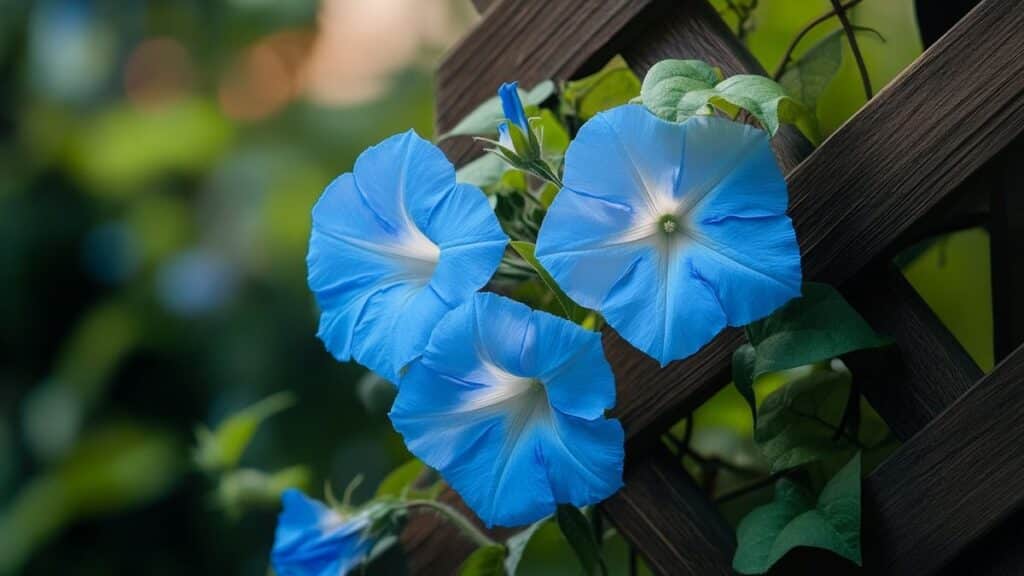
158, 161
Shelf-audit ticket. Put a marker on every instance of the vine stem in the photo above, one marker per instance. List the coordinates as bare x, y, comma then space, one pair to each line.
851, 37
456, 518
781, 68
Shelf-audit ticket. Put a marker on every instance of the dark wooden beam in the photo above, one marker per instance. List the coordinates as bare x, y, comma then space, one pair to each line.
1006, 233
927, 370
952, 482
670, 520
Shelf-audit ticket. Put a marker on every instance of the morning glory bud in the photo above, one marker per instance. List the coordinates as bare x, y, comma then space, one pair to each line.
515, 134
513, 106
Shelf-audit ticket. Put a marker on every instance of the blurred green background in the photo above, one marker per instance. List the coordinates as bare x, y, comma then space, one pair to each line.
158, 162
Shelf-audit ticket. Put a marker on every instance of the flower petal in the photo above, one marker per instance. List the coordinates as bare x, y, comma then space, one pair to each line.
571, 363
490, 404
753, 264
574, 449
398, 170
729, 171
627, 156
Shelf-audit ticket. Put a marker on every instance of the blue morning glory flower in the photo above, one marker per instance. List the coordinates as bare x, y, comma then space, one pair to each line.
508, 405
314, 540
513, 106
395, 245
672, 231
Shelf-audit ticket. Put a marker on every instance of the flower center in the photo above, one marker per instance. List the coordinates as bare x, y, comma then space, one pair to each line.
669, 224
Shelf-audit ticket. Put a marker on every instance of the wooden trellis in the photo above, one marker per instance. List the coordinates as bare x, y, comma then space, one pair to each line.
899, 170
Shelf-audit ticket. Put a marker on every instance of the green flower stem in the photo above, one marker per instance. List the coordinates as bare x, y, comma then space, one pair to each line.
456, 518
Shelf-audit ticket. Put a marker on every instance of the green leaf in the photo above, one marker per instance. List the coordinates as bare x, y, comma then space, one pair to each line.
516, 545
613, 85
791, 520
484, 120
679, 89
578, 533
667, 81
398, 482
808, 77
485, 561
818, 326
762, 97
526, 250
553, 137
222, 448
797, 423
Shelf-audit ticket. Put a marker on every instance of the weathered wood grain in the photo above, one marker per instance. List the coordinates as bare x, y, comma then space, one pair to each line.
953, 481
670, 520
1006, 232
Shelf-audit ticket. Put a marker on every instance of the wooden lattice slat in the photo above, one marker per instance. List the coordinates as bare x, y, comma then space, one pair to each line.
1007, 241
953, 481
684, 533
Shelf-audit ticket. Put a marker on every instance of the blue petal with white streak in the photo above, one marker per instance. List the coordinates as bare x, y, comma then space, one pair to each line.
672, 231
394, 246
314, 540
508, 405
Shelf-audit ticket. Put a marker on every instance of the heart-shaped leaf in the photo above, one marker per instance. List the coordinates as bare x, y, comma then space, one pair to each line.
793, 519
